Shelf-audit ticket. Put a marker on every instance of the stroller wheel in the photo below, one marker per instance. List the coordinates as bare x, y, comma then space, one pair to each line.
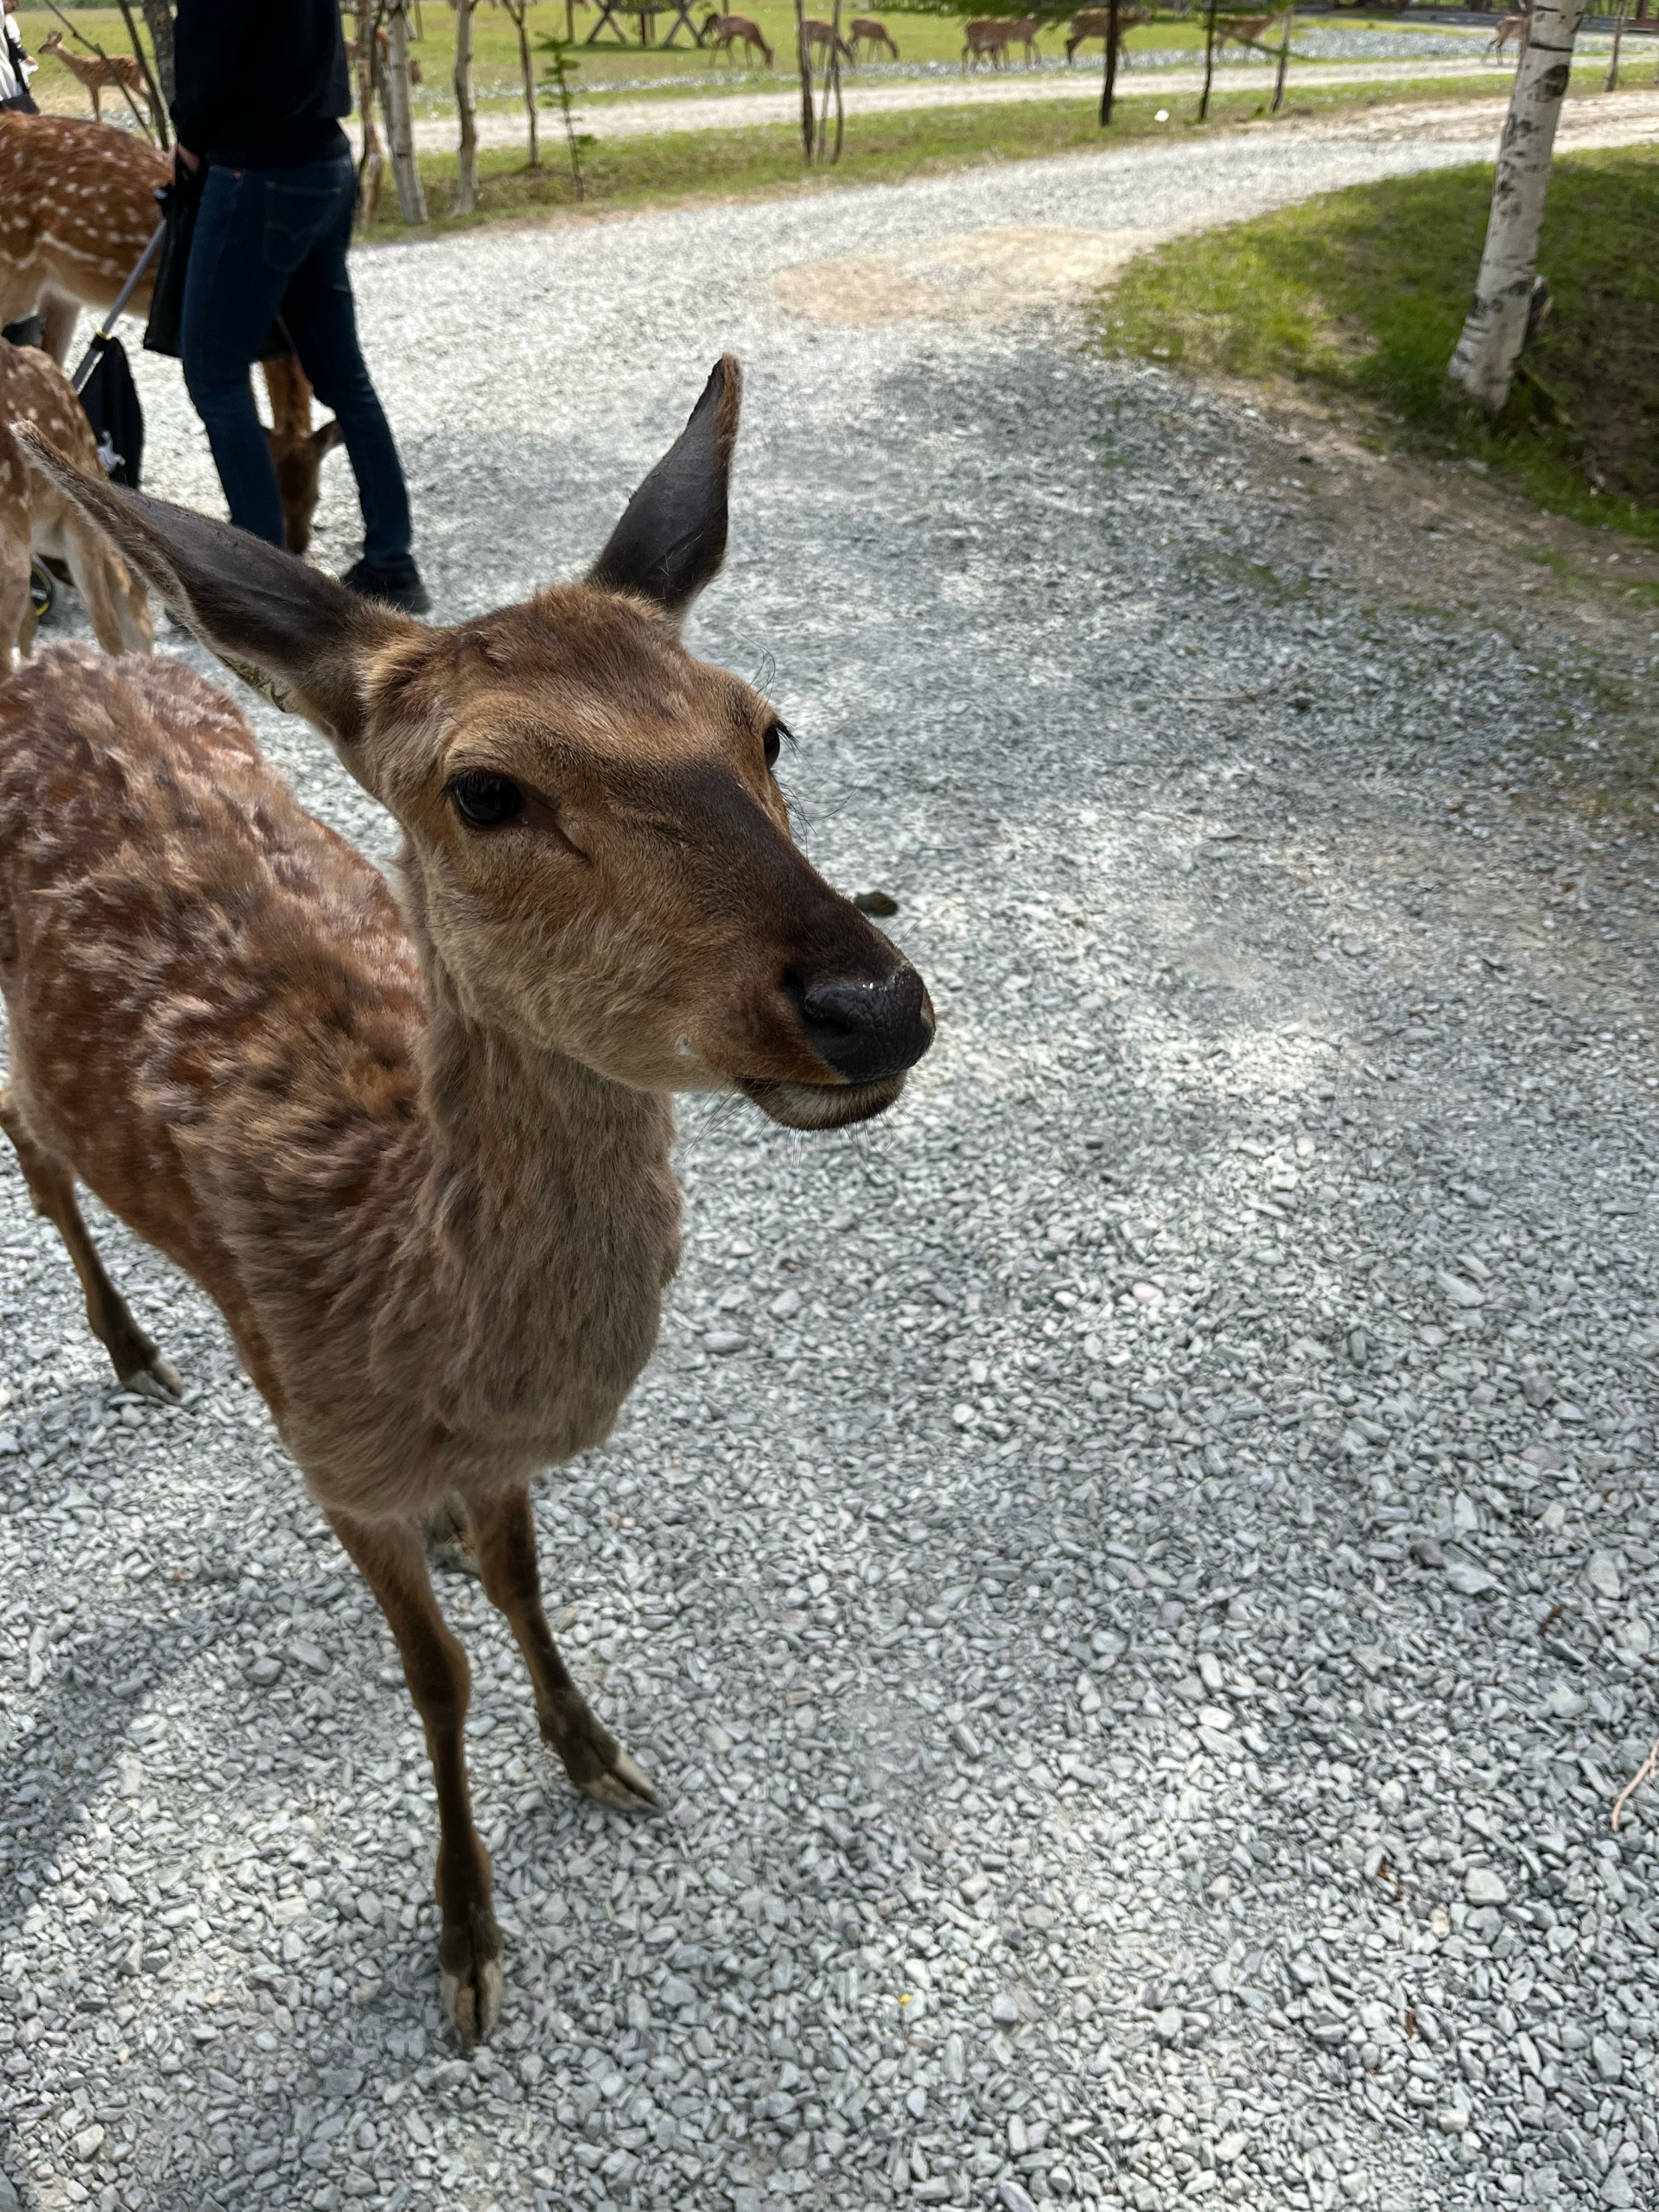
42, 590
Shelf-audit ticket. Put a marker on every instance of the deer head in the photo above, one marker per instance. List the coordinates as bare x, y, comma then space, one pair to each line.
298, 462
598, 859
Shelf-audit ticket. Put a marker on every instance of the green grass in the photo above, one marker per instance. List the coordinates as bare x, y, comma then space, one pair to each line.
1364, 292
765, 160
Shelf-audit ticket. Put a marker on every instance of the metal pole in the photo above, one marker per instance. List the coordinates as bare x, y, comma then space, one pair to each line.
95, 353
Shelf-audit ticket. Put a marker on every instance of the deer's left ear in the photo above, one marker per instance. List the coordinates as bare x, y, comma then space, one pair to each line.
671, 540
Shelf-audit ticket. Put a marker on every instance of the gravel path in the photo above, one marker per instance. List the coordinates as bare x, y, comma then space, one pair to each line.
1076, 1567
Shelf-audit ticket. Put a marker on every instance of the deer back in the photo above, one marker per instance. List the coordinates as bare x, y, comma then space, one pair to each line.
77, 208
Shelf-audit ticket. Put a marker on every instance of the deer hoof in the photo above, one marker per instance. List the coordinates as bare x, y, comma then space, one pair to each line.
161, 1379
472, 1995
624, 1788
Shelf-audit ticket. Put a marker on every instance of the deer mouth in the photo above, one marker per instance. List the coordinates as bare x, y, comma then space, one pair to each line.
821, 1105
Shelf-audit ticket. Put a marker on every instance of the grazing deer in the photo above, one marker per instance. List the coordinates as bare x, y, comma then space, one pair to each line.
985, 36
1023, 32
416, 1148
869, 30
36, 517
77, 208
1242, 31
1096, 23
1517, 27
99, 72
729, 31
824, 41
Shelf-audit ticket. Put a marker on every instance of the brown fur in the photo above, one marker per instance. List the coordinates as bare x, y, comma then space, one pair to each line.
870, 31
1240, 31
36, 516
297, 451
417, 1150
729, 31
1518, 27
822, 40
1096, 23
986, 38
99, 72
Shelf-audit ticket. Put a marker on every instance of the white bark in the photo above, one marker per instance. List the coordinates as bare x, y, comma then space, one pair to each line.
466, 158
411, 195
1492, 337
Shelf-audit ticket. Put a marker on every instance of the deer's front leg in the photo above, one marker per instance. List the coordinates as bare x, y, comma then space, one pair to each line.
393, 1564
503, 1536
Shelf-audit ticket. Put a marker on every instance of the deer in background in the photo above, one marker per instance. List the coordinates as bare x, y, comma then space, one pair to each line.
824, 41
417, 1149
1023, 32
729, 31
36, 517
1096, 23
868, 30
1517, 27
986, 37
1241, 30
77, 208
100, 73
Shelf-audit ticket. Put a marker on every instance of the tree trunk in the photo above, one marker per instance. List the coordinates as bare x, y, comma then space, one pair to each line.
809, 122
1108, 80
153, 96
1284, 60
411, 195
1484, 364
1209, 59
371, 161
1611, 85
467, 156
158, 15
517, 9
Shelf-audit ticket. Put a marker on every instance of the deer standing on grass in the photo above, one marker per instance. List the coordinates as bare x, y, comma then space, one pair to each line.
36, 516
869, 30
1517, 27
1096, 23
986, 37
77, 208
822, 40
729, 32
100, 73
417, 1149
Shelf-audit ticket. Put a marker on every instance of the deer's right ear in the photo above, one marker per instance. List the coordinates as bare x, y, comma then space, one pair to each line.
671, 540
297, 636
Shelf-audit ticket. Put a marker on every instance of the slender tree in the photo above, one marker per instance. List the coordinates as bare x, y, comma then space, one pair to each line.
1209, 58
1619, 20
158, 15
1108, 80
152, 89
1484, 364
405, 169
371, 162
809, 121
518, 10
467, 153
1284, 59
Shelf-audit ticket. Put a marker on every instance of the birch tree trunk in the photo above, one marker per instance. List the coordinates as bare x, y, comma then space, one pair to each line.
467, 156
1484, 364
516, 9
158, 15
411, 195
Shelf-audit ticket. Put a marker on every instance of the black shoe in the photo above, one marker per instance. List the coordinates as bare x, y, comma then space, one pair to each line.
398, 584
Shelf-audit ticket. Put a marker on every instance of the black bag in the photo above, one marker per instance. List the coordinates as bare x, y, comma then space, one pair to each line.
164, 332
110, 400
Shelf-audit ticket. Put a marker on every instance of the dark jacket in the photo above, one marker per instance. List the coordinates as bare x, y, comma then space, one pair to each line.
261, 84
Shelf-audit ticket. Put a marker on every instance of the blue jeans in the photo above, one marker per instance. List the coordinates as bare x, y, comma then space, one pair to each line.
269, 241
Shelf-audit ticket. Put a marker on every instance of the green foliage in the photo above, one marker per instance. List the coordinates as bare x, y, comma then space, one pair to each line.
1365, 291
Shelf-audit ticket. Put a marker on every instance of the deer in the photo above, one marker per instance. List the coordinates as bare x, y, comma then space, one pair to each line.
1096, 23
77, 209
824, 40
986, 37
1517, 27
383, 56
417, 1148
1242, 30
870, 31
1023, 31
729, 31
100, 73
38, 519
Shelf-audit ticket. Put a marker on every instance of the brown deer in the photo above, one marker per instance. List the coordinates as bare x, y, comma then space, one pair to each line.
1023, 32
77, 208
383, 56
1096, 23
824, 41
1517, 27
729, 32
1241, 30
986, 37
36, 517
870, 31
99, 72
417, 1148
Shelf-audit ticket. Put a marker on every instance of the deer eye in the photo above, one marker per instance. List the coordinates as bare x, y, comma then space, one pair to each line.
773, 743
485, 802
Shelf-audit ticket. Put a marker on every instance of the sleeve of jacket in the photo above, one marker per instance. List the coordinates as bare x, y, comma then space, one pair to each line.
209, 38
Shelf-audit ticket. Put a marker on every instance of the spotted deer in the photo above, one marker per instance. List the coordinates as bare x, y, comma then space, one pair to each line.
824, 41
38, 519
99, 73
870, 31
1518, 27
77, 209
1096, 23
729, 32
986, 38
416, 1146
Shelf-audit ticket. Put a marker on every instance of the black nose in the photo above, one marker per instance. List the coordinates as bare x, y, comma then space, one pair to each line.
867, 1030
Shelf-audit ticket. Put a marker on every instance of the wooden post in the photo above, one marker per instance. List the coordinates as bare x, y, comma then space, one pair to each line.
405, 170
1108, 80
1209, 58
466, 198
1284, 60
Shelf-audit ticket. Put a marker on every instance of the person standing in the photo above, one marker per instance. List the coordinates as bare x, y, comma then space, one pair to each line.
15, 65
260, 92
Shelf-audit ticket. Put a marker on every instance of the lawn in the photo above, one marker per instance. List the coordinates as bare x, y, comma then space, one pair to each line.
1363, 292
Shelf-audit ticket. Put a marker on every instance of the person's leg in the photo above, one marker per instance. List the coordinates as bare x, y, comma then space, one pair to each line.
321, 318
230, 297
